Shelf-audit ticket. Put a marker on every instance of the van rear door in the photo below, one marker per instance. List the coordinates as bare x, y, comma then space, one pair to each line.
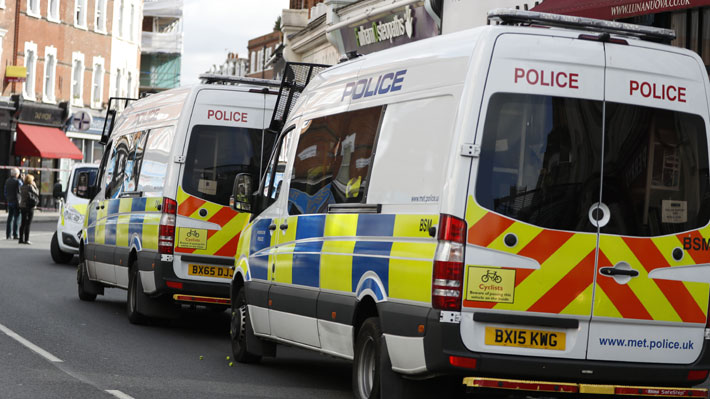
650, 297
226, 136
530, 254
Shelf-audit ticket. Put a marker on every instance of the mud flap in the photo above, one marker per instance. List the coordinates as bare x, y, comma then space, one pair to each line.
154, 307
258, 346
394, 385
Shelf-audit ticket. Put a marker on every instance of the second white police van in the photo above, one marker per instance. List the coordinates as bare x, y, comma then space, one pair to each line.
510, 201
159, 223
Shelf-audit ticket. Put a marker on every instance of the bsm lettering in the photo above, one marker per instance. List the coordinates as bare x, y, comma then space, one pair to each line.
385, 83
696, 243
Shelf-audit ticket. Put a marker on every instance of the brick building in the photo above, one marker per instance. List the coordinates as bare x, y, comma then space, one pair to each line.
260, 51
65, 48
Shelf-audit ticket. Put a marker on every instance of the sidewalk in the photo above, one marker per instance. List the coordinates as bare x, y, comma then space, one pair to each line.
39, 216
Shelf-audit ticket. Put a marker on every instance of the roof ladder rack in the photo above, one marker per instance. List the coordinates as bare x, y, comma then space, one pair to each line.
509, 17
214, 78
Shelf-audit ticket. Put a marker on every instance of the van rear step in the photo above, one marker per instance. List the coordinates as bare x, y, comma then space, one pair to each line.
202, 299
475, 384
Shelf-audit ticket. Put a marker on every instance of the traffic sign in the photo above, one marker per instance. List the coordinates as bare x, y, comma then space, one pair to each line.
81, 121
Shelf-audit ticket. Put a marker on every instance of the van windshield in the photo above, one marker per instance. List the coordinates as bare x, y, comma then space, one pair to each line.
217, 154
541, 157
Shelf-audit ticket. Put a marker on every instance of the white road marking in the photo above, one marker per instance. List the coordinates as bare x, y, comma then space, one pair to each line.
119, 394
34, 348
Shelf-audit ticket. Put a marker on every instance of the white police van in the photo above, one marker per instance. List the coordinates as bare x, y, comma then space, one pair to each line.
508, 202
72, 207
159, 223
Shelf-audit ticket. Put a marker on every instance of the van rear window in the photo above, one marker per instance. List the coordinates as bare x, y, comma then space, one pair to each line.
541, 162
216, 154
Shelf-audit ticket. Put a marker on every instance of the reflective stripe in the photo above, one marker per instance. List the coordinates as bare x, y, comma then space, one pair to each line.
564, 282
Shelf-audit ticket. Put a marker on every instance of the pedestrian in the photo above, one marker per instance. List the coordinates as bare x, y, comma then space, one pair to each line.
12, 196
29, 198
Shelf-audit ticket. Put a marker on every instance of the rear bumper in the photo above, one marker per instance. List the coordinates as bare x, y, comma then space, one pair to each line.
164, 275
443, 340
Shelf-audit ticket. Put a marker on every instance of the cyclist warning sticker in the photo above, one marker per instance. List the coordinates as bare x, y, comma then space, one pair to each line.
488, 284
192, 238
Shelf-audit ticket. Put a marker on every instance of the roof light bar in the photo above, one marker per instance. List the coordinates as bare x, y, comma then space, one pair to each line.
510, 16
210, 78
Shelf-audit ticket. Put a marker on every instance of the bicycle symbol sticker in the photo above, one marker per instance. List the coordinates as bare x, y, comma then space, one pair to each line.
487, 284
192, 238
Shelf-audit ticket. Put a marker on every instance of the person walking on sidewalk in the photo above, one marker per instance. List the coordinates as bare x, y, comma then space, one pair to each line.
29, 198
12, 196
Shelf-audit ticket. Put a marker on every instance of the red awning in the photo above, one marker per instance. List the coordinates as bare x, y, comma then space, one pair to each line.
44, 142
615, 9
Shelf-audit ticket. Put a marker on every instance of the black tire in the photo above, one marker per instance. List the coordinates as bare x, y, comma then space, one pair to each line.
366, 363
58, 256
134, 316
81, 282
239, 330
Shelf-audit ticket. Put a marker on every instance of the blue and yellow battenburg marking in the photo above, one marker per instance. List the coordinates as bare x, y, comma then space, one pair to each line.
345, 252
124, 222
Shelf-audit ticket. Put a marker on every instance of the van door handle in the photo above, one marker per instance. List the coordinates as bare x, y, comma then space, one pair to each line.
283, 226
272, 226
611, 271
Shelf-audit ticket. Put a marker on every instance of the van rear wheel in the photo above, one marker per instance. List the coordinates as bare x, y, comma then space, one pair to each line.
239, 330
58, 256
131, 298
82, 282
366, 365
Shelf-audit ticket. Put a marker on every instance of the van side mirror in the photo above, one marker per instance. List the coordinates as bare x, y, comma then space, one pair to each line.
57, 191
242, 193
83, 189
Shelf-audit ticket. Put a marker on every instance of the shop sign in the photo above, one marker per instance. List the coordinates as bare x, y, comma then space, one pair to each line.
619, 9
405, 25
15, 73
41, 114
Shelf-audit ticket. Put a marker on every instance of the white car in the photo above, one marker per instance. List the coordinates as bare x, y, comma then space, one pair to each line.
65, 241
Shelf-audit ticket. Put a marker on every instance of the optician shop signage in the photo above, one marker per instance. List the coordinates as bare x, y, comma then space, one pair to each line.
404, 25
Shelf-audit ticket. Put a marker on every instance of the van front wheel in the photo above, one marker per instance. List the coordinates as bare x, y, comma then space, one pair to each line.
239, 330
58, 256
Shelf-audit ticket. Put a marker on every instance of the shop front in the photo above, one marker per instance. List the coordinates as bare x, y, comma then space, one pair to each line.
690, 19
40, 143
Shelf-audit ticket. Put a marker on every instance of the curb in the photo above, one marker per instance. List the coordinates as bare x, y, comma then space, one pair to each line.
38, 217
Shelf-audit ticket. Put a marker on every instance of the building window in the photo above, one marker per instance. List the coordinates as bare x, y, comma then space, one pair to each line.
2, 4
252, 67
77, 78
132, 24
97, 83
119, 76
50, 68
100, 20
129, 85
53, 10
80, 13
28, 89
120, 18
33, 8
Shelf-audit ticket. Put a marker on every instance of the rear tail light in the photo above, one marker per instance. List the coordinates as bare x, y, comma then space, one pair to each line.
697, 375
465, 362
166, 230
447, 279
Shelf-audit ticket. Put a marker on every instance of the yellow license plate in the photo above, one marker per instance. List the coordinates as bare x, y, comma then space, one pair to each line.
210, 271
523, 338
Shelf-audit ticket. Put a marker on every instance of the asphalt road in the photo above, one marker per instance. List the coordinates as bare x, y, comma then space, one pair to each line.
52, 345
92, 351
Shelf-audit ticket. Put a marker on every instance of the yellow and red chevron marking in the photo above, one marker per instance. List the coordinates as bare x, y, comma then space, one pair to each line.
564, 282
221, 242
